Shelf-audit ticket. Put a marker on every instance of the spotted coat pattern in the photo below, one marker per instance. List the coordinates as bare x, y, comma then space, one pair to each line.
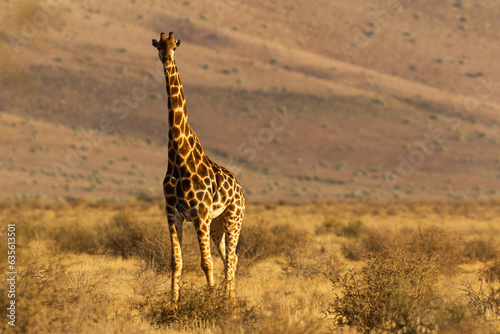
196, 189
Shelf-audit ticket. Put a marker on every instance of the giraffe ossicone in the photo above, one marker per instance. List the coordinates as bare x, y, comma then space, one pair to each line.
196, 189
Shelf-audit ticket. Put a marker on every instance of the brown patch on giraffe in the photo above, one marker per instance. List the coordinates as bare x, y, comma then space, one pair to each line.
186, 184
202, 170
196, 179
176, 132
178, 117
176, 101
200, 195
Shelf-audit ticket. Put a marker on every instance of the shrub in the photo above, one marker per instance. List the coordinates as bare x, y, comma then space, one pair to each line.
203, 306
435, 242
394, 291
145, 195
123, 236
155, 249
54, 297
282, 315
329, 226
480, 249
341, 166
316, 262
491, 272
443, 247
76, 239
370, 241
258, 242
457, 317
352, 229
483, 300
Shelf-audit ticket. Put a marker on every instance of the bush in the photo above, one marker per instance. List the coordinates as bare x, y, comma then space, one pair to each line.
491, 273
443, 247
457, 317
258, 242
483, 300
203, 306
76, 239
394, 291
123, 236
352, 229
446, 249
313, 262
480, 249
56, 297
290, 316
370, 241
155, 250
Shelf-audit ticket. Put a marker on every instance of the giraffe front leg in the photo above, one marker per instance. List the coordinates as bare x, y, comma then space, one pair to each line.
203, 232
175, 228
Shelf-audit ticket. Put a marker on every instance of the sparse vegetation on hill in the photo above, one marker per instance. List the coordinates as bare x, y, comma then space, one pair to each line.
82, 88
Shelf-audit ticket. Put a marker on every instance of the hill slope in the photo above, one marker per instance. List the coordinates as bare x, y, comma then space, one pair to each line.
266, 94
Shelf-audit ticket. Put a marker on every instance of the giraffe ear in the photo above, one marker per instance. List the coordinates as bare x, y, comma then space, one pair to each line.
155, 43
178, 42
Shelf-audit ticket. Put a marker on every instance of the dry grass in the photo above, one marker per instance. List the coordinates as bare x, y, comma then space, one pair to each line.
85, 267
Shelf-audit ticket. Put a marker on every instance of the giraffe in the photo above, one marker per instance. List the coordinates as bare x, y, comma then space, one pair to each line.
196, 189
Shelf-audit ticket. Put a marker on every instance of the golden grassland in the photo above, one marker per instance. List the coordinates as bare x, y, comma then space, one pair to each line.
346, 266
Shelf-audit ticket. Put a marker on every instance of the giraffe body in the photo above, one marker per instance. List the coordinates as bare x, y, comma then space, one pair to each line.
196, 189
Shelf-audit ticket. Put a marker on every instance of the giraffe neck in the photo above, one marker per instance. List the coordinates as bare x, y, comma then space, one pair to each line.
182, 140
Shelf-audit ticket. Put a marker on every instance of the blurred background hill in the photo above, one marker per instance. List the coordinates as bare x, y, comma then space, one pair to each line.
304, 100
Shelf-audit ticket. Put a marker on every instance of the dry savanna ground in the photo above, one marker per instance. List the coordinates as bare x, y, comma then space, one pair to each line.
350, 104
344, 266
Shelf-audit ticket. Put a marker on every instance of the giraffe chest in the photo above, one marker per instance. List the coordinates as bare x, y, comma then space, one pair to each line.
185, 187
192, 194
186, 192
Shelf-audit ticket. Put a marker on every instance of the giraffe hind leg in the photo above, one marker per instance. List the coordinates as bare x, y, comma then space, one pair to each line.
232, 227
217, 234
175, 229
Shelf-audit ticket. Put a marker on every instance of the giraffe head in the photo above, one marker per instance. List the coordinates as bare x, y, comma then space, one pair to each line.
166, 48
